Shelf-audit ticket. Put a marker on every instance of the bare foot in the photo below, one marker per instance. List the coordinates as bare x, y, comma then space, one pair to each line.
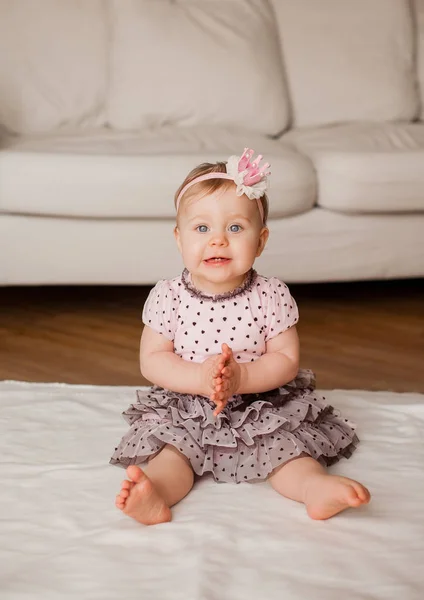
139, 499
327, 495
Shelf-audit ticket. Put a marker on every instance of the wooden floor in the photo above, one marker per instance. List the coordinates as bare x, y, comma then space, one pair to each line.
356, 335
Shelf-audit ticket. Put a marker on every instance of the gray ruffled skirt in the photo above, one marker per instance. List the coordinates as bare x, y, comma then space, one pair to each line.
252, 436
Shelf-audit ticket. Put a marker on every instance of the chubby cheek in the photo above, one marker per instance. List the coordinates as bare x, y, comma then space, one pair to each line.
245, 249
193, 249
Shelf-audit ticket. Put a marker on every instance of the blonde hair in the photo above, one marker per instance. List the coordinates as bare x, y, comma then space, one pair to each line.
212, 185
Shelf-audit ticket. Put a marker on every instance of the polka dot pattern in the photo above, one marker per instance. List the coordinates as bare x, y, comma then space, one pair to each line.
254, 434
199, 324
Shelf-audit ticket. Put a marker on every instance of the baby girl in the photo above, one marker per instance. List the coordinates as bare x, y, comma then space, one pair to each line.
220, 346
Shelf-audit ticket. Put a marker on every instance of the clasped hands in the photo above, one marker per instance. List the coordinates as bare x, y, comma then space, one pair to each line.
223, 377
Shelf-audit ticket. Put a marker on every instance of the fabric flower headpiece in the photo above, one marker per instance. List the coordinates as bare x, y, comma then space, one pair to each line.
249, 176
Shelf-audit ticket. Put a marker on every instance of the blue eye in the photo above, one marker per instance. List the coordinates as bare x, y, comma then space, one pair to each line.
233, 228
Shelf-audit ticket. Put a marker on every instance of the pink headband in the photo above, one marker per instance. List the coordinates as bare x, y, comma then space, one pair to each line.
250, 178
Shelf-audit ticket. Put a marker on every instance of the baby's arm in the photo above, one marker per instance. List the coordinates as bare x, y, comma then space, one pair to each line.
161, 366
275, 368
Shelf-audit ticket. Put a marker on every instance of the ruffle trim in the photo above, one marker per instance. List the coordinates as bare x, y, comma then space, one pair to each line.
245, 442
239, 291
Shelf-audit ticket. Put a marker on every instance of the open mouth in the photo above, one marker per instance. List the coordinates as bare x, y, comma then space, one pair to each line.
217, 260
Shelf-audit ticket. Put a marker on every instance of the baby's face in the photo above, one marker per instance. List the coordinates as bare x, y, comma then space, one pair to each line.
220, 225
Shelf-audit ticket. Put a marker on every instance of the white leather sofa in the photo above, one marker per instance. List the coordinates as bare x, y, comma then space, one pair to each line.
106, 105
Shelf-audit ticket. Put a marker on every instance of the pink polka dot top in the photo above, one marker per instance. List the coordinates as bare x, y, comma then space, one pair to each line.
198, 324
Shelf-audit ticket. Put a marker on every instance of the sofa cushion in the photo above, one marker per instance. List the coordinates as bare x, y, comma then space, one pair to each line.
319, 245
52, 64
109, 174
348, 60
366, 167
418, 6
196, 62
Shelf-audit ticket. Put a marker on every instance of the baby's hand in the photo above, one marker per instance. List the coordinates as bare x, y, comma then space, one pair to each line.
228, 382
212, 375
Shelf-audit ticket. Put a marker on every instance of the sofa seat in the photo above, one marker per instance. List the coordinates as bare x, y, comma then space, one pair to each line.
366, 167
107, 174
318, 245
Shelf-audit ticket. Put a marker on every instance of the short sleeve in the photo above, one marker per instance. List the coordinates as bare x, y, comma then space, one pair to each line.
160, 309
282, 312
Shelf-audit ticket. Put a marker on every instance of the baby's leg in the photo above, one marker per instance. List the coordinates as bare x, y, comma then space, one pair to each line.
167, 478
305, 480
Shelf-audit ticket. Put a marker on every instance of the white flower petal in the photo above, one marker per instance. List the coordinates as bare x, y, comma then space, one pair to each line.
232, 166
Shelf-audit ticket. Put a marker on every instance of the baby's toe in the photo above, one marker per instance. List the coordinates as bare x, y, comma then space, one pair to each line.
352, 494
360, 491
119, 502
352, 499
363, 493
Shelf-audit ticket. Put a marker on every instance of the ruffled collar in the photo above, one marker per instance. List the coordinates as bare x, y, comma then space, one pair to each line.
245, 287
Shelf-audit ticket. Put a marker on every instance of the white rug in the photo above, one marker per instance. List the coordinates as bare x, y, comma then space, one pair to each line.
62, 537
